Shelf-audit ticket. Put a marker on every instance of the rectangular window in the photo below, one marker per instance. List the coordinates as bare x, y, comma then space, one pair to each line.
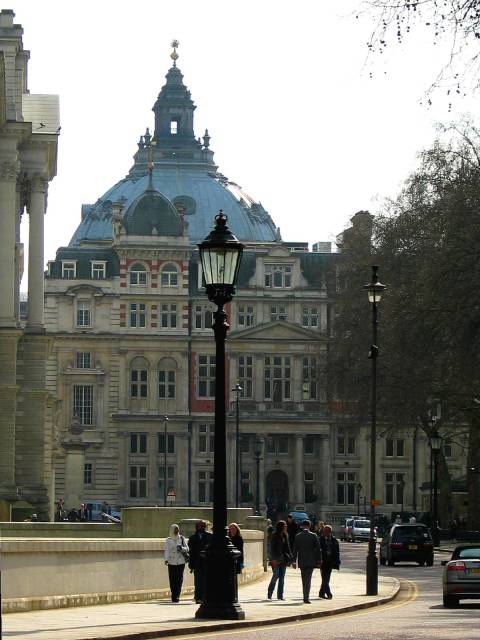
394, 488
245, 375
138, 315
395, 447
246, 317
203, 316
99, 270
346, 444
245, 491
138, 481
309, 445
69, 269
83, 360
206, 376
309, 378
270, 444
310, 317
309, 486
277, 378
174, 127
166, 384
278, 312
205, 486
447, 447
168, 316
161, 480
84, 314
244, 443
83, 403
88, 474
170, 443
278, 276
138, 443
138, 383
346, 483
283, 444
206, 438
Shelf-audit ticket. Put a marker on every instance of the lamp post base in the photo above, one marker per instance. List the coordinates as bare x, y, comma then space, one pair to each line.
221, 592
372, 574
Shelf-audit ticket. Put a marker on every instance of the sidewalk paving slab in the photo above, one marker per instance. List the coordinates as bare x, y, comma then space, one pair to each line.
161, 618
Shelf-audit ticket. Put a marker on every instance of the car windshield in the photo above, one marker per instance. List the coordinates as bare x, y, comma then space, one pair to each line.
404, 534
471, 552
362, 524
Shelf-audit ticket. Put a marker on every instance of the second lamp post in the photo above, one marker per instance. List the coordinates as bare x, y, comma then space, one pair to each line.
374, 290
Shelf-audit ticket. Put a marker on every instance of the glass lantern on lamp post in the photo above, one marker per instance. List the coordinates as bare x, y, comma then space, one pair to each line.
374, 290
220, 254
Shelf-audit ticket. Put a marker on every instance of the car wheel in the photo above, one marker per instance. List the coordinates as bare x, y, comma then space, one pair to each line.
421, 563
430, 562
391, 563
450, 601
383, 562
353, 539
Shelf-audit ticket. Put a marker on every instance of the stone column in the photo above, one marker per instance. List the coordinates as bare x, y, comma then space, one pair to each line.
74, 466
299, 470
36, 209
326, 472
181, 470
8, 199
123, 471
262, 476
152, 466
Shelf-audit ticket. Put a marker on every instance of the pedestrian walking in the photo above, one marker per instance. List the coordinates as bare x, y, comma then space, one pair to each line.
237, 541
83, 513
330, 560
280, 557
197, 543
307, 555
292, 528
318, 528
175, 554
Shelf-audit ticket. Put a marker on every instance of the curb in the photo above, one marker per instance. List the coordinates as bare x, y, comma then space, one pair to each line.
245, 624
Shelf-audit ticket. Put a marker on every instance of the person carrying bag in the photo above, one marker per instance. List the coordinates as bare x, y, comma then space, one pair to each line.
280, 559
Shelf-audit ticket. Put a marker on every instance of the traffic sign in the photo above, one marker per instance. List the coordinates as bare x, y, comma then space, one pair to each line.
376, 503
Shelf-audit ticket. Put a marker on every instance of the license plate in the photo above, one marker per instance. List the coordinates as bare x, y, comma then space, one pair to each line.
412, 546
476, 570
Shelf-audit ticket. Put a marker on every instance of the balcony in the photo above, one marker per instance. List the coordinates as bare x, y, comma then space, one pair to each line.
260, 409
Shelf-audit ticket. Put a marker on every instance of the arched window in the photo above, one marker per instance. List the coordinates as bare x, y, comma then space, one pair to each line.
139, 378
138, 275
167, 378
169, 275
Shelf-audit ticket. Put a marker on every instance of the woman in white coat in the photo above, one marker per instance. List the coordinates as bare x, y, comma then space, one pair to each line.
175, 549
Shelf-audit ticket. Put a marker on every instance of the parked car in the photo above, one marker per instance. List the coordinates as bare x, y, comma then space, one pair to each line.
299, 516
95, 510
345, 528
407, 543
461, 575
359, 530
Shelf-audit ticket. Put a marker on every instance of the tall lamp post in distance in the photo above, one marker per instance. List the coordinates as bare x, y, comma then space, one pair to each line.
374, 290
238, 389
359, 488
258, 452
401, 485
220, 254
165, 435
436, 445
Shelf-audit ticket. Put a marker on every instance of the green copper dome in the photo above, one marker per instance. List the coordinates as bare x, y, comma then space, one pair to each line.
152, 214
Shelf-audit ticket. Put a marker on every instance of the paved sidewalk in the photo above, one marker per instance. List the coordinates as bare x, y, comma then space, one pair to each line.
157, 618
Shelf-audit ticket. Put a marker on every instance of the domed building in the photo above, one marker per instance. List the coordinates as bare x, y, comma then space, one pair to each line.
133, 361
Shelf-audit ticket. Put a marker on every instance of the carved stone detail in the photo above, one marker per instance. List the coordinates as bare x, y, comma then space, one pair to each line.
9, 170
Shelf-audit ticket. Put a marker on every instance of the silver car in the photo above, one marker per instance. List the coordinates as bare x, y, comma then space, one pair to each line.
359, 530
461, 575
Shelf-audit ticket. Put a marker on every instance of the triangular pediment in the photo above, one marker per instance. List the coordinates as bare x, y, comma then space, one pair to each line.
278, 330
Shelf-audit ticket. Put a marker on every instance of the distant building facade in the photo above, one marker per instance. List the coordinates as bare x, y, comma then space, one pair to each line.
133, 361
28, 152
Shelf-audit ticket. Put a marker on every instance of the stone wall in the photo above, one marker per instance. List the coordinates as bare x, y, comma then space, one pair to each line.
46, 573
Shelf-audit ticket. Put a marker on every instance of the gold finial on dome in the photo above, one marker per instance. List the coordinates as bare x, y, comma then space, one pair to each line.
174, 54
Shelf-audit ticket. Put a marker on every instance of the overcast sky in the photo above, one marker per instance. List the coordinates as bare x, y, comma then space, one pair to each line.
294, 116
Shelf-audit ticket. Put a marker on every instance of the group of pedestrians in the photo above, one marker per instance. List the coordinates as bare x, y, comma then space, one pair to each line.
305, 549
180, 552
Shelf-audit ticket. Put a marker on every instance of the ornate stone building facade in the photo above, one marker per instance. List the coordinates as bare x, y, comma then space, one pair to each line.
29, 128
133, 359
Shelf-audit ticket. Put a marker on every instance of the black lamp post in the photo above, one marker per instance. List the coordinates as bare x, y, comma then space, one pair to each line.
359, 488
165, 435
374, 290
238, 389
435, 445
258, 452
220, 254
401, 486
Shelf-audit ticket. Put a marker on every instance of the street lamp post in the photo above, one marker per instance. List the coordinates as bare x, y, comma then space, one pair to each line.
165, 435
435, 445
220, 254
238, 389
258, 452
359, 488
374, 290
401, 484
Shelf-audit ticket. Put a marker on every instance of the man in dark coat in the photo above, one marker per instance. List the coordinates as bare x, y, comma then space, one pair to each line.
292, 529
306, 553
197, 543
330, 560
